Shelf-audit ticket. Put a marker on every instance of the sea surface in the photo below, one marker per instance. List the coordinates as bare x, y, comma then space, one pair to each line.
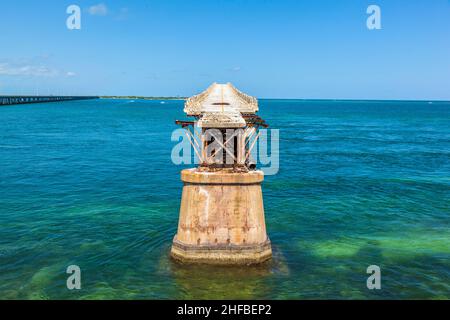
91, 183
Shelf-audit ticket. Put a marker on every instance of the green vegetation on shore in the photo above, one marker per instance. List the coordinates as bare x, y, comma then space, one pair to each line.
142, 98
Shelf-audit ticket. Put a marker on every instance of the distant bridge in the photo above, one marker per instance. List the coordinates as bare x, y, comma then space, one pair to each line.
9, 100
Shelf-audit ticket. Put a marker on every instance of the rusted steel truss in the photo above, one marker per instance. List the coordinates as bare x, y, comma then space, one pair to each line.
250, 137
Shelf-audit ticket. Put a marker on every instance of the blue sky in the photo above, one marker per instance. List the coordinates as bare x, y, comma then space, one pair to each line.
273, 49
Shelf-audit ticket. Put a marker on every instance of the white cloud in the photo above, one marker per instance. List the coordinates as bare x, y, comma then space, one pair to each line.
236, 69
9, 69
71, 74
98, 10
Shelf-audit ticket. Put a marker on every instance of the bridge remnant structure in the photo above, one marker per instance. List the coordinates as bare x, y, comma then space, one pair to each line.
222, 213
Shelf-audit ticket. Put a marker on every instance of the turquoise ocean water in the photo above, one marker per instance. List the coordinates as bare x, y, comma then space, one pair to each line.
91, 183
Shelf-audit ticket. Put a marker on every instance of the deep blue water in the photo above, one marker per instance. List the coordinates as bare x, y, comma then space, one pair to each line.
91, 183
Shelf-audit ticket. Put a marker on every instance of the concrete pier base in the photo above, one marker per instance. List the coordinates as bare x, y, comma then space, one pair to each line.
221, 219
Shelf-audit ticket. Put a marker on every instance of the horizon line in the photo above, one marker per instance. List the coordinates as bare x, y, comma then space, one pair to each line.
259, 98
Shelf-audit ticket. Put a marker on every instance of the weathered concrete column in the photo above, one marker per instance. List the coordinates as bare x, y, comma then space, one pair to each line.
221, 218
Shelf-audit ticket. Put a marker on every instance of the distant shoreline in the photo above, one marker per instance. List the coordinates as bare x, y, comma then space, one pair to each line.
38, 99
142, 98
285, 99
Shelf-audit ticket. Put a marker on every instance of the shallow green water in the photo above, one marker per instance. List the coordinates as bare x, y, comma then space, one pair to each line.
91, 183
